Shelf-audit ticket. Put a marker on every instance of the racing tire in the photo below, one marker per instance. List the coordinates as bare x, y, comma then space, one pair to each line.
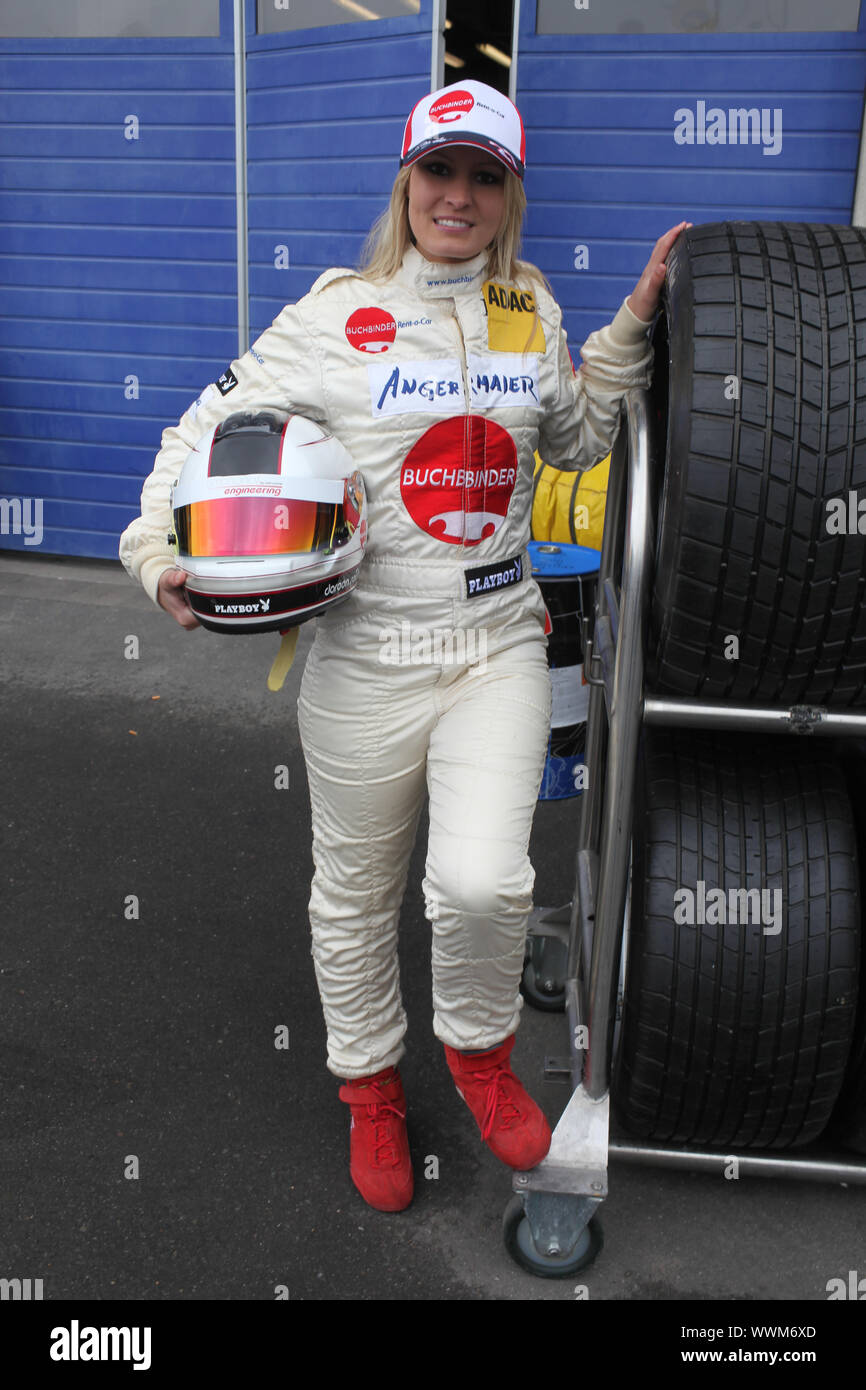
738, 1032
758, 389
848, 1123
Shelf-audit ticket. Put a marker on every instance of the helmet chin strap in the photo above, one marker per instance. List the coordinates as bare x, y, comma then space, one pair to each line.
283, 659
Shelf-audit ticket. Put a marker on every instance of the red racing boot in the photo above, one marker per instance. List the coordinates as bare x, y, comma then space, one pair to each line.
380, 1165
512, 1126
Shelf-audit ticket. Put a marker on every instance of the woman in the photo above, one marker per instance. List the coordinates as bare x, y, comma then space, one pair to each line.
441, 366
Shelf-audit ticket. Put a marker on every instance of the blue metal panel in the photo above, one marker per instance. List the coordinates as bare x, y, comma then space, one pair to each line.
96, 214
119, 255
118, 261
120, 244
122, 273
127, 343
326, 110
606, 173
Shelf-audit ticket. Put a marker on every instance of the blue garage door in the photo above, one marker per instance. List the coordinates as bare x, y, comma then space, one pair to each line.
124, 274
117, 252
633, 126
325, 113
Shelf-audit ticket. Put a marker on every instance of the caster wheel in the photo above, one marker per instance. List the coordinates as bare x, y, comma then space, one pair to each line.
523, 1250
547, 1001
543, 982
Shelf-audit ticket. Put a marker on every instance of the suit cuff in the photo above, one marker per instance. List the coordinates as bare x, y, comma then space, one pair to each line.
151, 571
627, 330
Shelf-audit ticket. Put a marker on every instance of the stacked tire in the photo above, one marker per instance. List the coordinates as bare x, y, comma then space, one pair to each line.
760, 392
744, 943
849, 1117
740, 1023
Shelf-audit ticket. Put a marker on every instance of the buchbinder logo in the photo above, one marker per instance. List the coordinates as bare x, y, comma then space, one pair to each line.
371, 330
451, 106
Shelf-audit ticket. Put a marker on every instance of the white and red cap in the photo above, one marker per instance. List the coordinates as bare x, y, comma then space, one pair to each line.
469, 113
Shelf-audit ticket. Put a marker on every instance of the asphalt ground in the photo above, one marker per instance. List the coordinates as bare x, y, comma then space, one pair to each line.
146, 1043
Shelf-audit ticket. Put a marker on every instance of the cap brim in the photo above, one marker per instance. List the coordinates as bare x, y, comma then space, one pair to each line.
475, 141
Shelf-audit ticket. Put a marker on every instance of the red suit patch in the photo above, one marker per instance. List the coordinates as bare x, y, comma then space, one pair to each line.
456, 481
371, 330
451, 105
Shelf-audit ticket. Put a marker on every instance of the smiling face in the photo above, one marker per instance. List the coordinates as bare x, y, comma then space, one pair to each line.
456, 202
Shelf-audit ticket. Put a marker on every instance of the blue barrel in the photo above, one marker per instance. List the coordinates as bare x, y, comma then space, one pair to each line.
568, 578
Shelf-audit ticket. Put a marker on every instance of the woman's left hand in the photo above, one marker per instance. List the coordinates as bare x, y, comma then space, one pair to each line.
644, 299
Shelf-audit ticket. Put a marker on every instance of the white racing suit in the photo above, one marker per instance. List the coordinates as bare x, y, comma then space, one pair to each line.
431, 677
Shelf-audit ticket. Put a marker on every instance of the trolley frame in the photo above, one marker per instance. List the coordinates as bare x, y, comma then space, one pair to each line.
563, 1192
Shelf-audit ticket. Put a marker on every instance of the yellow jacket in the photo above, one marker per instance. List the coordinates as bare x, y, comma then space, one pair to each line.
569, 507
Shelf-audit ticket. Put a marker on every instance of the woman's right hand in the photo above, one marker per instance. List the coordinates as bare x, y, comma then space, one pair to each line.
172, 596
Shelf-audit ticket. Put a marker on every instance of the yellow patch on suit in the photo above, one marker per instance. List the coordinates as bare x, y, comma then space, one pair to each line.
513, 324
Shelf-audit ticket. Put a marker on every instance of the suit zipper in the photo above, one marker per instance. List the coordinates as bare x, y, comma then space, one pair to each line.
468, 428
464, 362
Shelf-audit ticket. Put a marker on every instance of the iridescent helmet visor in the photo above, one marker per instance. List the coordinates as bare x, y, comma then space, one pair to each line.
259, 517
222, 527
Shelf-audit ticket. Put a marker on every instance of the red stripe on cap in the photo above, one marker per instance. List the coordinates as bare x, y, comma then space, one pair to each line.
407, 133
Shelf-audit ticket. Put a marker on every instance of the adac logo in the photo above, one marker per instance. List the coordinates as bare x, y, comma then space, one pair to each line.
371, 330
451, 106
513, 324
456, 481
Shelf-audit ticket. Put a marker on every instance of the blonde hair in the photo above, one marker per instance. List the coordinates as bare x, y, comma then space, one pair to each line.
391, 235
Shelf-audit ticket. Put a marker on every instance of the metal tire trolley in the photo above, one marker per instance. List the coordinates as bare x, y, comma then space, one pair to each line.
549, 1225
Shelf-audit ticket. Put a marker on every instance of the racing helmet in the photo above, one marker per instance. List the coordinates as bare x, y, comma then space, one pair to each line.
270, 523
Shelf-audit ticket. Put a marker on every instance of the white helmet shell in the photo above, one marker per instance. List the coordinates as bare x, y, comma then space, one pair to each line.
270, 523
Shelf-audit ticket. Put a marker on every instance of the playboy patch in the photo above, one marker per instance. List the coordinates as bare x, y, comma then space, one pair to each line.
489, 578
